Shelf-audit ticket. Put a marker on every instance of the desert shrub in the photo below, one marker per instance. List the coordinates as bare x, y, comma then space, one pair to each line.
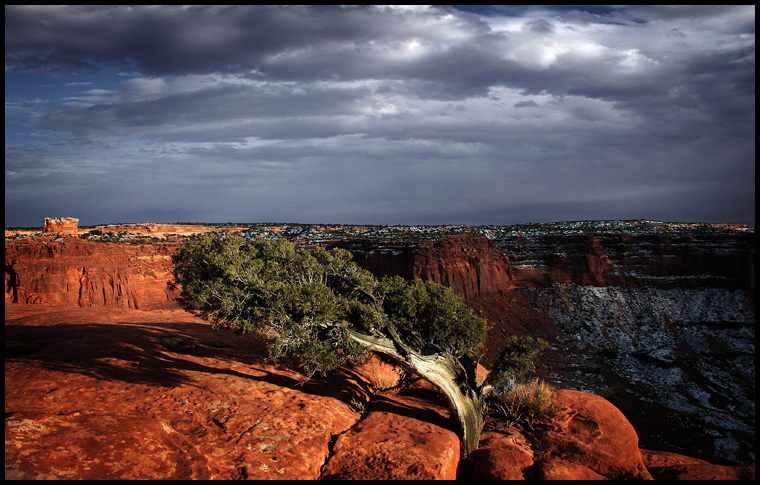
516, 360
528, 404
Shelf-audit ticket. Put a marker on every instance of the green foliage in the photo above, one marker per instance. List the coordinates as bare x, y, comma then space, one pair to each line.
295, 299
516, 360
304, 301
431, 317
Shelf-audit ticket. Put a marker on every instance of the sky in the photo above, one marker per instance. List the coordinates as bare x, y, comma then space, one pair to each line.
421, 115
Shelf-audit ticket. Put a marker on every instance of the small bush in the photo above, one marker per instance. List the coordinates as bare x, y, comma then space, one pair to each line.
516, 360
528, 404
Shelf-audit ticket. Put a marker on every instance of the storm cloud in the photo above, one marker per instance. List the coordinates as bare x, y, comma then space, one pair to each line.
379, 115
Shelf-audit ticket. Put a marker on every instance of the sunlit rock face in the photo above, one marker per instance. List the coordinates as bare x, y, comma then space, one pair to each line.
83, 273
108, 393
62, 225
467, 263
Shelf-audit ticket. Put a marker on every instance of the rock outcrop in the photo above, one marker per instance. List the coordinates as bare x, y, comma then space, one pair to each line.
672, 466
475, 265
65, 226
677, 259
679, 362
467, 263
87, 274
590, 440
657, 318
161, 231
593, 438
504, 456
390, 443
102, 393
91, 393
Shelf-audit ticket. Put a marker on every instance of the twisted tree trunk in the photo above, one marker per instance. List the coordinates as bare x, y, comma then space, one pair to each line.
446, 373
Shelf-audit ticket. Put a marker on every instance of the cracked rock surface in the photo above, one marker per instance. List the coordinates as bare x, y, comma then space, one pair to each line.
101, 393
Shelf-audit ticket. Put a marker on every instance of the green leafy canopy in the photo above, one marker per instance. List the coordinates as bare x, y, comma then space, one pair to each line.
516, 359
304, 301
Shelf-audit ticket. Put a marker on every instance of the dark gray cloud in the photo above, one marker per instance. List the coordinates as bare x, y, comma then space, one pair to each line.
379, 115
283, 41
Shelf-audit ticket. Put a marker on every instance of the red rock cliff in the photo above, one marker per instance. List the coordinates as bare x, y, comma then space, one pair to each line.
134, 276
469, 264
571, 288
697, 260
476, 266
64, 226
83, 273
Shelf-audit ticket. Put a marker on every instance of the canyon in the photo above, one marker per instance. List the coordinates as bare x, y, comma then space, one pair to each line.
656, 319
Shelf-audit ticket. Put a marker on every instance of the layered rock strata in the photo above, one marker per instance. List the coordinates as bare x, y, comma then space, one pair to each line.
83, 273
659, 320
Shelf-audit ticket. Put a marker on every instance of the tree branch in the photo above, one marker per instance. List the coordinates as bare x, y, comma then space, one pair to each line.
444, 372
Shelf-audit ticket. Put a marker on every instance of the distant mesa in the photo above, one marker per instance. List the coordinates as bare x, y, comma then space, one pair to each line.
68, 226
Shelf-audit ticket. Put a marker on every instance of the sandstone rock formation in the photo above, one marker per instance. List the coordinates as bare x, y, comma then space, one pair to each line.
593, 439
468, 263
590, 440
162, 231
504, 456
83, 273
672, 466
94, 393
66, 226
392, 443
659, 319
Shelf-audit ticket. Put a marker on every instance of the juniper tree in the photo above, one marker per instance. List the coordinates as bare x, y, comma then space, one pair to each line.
319, 307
